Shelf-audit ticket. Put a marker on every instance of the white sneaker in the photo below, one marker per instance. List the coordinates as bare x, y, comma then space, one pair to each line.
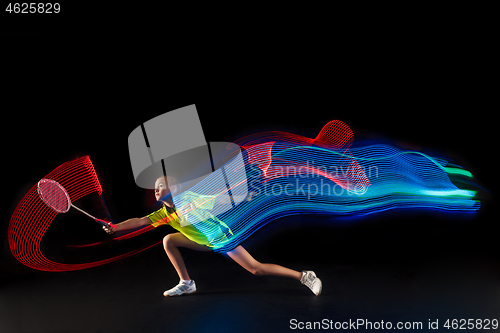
181, 289
309, 279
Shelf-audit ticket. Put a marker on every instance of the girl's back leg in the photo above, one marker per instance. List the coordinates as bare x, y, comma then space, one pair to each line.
245, 260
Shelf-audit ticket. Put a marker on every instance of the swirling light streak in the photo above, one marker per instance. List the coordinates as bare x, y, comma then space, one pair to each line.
298, 175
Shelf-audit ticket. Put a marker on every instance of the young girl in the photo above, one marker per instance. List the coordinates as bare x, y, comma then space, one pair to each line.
189, 237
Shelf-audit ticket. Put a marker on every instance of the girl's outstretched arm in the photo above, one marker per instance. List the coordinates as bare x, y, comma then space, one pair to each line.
128, 224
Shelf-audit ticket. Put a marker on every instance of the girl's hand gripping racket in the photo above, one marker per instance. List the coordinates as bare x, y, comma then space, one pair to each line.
56, 197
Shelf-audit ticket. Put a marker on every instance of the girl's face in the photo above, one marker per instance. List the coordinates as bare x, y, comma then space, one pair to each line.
161, 189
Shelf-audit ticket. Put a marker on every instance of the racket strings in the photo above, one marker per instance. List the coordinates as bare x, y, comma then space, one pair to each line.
54, 196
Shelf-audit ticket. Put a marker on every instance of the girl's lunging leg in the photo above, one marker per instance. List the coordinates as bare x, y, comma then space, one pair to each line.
171, 244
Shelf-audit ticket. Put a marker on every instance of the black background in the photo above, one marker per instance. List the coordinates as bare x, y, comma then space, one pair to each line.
82, 91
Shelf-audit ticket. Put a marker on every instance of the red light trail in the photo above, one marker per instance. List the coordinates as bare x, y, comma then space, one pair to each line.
32, 217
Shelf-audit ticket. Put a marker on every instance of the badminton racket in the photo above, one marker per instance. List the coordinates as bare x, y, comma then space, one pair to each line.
56, 197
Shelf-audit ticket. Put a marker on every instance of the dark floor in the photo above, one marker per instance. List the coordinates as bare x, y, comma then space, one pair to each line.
127, 296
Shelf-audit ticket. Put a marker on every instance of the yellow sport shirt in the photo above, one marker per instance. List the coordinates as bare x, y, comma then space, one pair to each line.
170, 216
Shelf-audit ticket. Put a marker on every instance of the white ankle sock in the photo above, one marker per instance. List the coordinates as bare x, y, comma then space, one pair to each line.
186, 281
